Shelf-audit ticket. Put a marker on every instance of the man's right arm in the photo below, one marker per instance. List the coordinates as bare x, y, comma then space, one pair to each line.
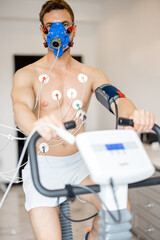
23, 99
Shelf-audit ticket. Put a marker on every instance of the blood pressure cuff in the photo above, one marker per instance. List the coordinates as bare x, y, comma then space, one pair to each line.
106, 94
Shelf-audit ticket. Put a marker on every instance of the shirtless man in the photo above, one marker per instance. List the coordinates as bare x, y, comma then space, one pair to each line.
36, 101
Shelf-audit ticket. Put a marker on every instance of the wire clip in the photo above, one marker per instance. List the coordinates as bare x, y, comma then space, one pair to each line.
10, 137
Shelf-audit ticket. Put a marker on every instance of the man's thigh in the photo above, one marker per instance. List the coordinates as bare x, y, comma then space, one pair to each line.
45, 223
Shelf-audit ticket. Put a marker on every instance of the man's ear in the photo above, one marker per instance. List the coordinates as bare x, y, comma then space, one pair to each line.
75, 30
42, 33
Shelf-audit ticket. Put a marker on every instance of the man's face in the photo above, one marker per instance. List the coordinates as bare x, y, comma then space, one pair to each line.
61, 16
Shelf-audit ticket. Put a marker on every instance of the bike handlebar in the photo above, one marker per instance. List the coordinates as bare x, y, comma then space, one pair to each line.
77, 191
129, 122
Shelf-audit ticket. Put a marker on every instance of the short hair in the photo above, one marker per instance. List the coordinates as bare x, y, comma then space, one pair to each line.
55, 5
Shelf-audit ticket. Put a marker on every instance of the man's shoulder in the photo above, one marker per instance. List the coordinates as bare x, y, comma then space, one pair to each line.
87, 69
97, 77
28, 71
31, 68
23, 73
25, 70
91, 71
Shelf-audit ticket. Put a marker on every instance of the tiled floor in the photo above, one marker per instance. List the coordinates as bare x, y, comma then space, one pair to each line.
14, 221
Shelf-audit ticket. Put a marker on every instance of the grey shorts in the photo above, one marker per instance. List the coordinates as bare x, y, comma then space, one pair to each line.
55, 172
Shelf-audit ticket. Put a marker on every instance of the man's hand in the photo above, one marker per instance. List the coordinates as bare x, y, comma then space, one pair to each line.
47, 132
143, 121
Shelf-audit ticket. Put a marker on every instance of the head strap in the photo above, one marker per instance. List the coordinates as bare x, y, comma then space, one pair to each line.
45, 30
70, 44
70, 29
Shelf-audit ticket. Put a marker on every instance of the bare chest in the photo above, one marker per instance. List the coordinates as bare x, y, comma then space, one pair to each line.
62, 93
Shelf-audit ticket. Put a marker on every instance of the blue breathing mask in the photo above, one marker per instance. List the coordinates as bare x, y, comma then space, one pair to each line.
58, 39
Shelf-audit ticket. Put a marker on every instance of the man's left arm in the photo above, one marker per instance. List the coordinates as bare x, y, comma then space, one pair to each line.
106, 93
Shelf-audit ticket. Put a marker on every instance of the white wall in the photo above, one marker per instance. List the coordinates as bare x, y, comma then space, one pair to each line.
130, 50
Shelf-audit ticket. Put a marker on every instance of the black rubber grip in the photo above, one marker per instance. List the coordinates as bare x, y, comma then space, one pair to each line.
125, 122
70, 125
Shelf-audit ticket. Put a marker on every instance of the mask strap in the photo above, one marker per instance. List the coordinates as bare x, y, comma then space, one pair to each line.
70, 29
70, 44
45, 30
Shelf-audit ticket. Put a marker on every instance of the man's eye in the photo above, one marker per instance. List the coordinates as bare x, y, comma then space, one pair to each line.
48, 26
65, 25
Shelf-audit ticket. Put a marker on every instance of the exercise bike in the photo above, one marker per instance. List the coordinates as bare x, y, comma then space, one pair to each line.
116, 160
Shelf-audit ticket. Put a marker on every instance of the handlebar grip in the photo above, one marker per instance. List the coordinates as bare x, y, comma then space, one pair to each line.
125, 122
129, 122
69, 125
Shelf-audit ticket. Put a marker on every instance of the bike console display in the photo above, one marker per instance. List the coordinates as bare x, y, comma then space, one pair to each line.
115, 154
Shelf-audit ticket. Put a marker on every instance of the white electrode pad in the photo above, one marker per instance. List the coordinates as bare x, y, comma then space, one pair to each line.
44, 147
72, 93
82, 78
116, 154
44, 78
77, 104
56, 95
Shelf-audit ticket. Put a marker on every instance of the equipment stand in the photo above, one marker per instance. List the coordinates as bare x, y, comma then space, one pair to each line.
111, 230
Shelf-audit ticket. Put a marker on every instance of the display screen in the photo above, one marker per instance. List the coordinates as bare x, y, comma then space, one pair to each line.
117, 146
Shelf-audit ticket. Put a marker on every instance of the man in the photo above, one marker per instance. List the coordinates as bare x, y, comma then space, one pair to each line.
54, 90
